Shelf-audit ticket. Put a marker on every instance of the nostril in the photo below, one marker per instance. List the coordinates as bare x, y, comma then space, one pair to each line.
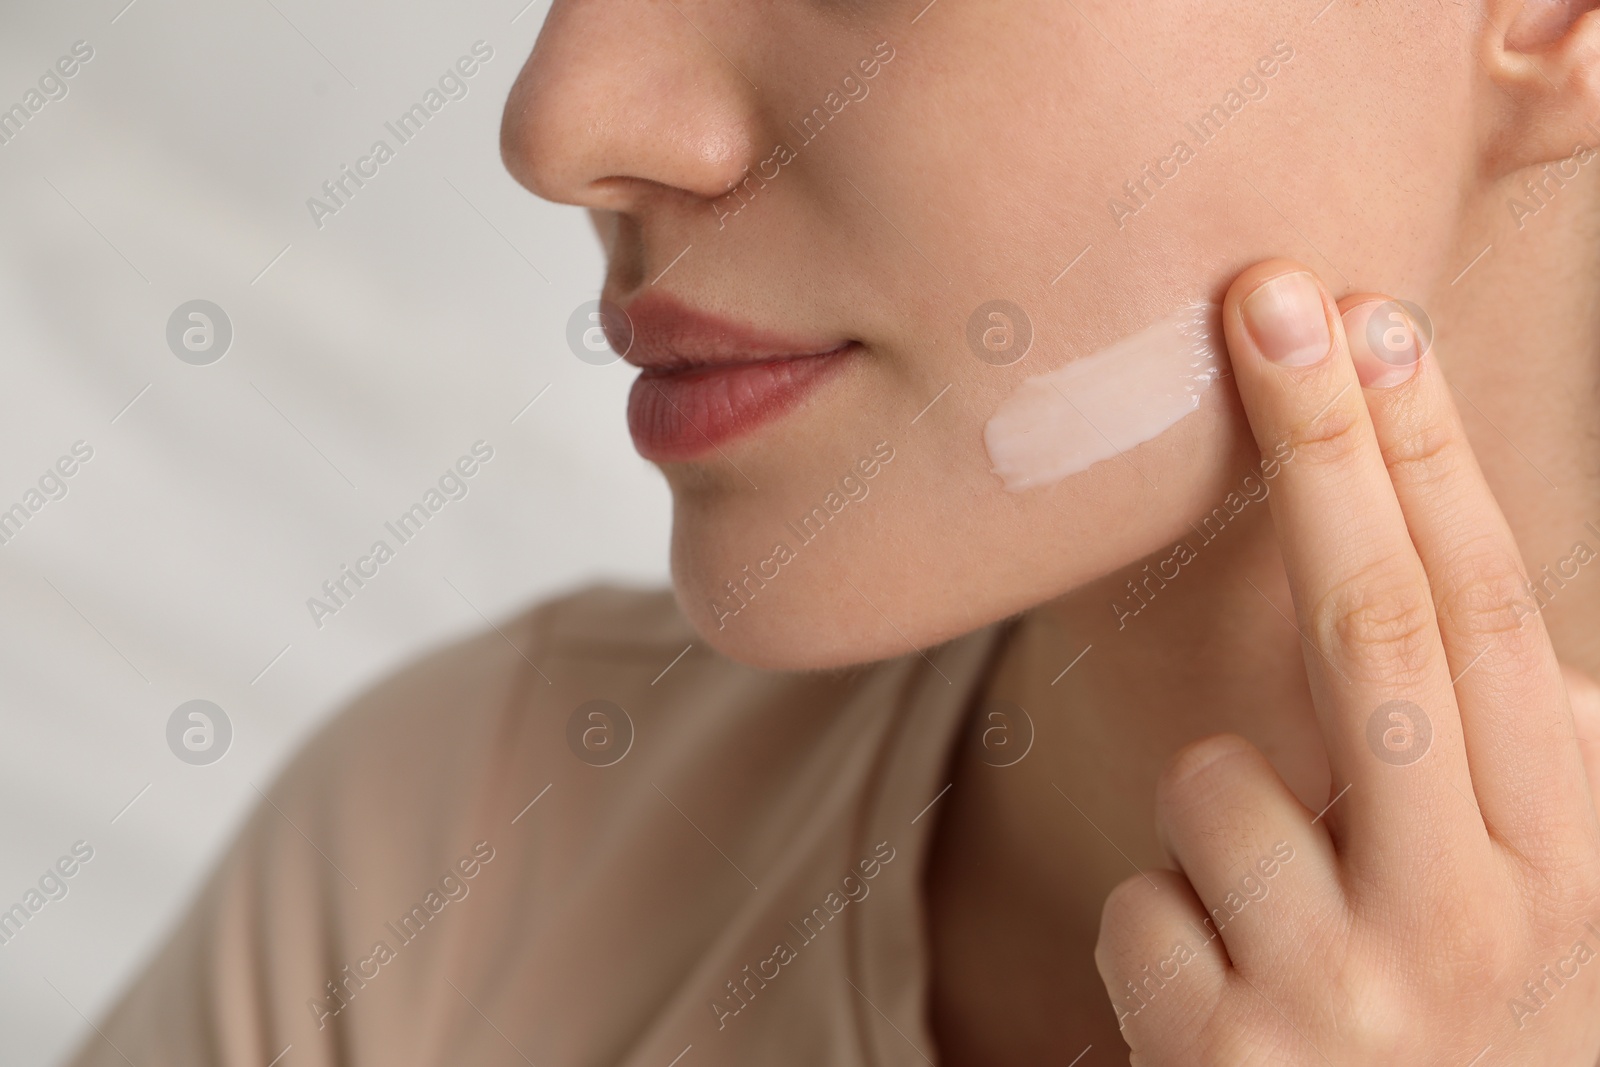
611, 110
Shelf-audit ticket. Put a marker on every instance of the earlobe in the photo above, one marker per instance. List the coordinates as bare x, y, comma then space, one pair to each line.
1544, 58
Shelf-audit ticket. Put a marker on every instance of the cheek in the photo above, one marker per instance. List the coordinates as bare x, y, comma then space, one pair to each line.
1066, 150
939, 547
1011, 201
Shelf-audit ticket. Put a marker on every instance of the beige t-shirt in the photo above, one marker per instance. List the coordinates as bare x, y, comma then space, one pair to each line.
439, 878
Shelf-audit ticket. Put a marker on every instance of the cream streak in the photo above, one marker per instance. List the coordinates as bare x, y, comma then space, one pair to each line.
1102, 405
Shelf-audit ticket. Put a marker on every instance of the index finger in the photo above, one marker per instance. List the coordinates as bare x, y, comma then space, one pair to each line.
1361, 595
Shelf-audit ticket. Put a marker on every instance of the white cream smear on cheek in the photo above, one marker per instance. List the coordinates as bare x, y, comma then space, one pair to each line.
1095, 408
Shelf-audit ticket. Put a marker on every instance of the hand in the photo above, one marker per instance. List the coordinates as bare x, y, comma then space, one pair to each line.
1445, 908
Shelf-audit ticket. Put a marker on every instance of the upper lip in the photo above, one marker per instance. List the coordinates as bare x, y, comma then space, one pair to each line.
669, 336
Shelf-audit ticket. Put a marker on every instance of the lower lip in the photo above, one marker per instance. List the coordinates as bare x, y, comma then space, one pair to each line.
682, 415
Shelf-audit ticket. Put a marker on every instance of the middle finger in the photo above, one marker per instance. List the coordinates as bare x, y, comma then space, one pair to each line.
1378, 671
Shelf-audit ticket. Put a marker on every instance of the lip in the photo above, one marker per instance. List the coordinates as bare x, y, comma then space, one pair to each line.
706, 380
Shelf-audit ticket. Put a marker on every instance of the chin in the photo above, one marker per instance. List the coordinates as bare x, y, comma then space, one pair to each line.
937, 550
804, 618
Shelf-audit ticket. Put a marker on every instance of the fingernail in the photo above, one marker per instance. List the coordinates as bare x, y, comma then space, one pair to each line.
1383, 344
1286, 320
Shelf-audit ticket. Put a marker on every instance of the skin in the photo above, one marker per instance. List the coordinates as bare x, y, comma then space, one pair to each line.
1391, 558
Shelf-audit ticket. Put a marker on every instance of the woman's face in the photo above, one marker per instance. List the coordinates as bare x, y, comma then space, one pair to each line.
896, 166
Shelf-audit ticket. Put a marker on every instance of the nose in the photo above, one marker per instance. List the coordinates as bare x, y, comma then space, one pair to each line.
622, 98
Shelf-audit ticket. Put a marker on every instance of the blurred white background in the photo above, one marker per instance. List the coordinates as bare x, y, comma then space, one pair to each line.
367, 356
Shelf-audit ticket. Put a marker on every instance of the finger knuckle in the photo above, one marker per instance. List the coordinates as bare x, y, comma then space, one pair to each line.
1131, 907
1564, 882
1424, 454
1199, 768
1376, 1015
1484, 594
1126, 910
1377, 1006
1381, 618
1334, 435
1468, 948
1127, 921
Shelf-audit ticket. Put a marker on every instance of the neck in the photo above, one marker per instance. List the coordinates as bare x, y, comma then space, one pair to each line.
1523, 352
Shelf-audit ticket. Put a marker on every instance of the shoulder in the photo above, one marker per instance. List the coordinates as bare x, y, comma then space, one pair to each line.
329, 921
460, 691
404, 773
384, 810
